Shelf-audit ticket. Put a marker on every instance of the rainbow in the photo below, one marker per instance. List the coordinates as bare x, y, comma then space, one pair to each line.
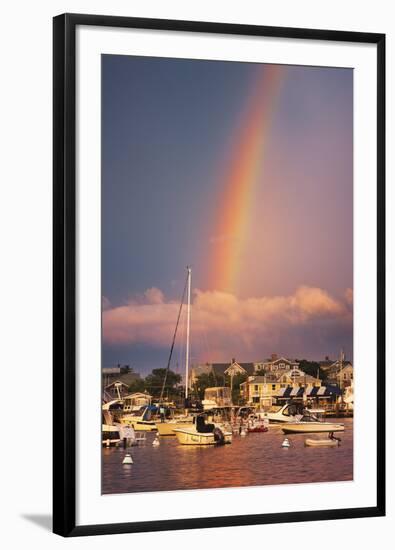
241, 177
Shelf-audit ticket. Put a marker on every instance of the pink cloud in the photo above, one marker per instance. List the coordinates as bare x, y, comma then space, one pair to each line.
349, 296
154, 296
222, 320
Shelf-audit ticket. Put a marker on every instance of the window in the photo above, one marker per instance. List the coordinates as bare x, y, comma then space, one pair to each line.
255, 399
256, 387
273, 387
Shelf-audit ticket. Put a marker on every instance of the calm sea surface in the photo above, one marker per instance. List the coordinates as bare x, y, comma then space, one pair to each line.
257, 459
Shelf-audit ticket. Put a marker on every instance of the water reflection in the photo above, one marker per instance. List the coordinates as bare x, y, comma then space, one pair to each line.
257, 459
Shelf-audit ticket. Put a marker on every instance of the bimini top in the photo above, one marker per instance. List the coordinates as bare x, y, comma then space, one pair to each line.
316, 391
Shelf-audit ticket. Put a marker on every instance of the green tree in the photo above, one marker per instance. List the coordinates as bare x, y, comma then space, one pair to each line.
137, 385
205, 380
312, 368
237, 380
153, 382
260, 372
125, 369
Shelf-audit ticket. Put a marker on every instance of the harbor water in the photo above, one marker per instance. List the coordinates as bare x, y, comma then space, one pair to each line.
256, 459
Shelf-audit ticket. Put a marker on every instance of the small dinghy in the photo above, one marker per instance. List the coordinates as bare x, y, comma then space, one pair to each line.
257, 428
321, 442
332, 441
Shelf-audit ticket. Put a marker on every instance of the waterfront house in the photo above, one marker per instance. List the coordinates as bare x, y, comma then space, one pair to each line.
109, 374
264, 390
326, 363
259, 390
276, 363
232, 369
345, 376
222, 372
198, 370
340, 372
118, 387
116, 390
119, 374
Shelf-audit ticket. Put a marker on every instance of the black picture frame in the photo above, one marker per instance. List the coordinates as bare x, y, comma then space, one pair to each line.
64, 272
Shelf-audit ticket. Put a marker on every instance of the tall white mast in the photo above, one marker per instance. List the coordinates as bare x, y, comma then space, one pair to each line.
188, 327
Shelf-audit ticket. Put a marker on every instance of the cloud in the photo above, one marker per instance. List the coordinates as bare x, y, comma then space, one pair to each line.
154, 296
349, 296
225, 325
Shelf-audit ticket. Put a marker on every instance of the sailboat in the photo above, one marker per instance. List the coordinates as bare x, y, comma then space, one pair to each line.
167, 427
190, 430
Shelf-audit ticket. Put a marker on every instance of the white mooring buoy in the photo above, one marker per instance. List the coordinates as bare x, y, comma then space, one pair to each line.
128, 459
156, 442
286, 443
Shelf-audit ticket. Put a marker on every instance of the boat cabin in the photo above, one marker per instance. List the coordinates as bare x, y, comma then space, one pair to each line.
135, 401
217, 397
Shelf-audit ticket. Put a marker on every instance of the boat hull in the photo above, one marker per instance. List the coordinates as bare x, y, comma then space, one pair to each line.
110, 435
321, 443
189, 437
311, 427
256, 430
166, 429
140, 425
278, 419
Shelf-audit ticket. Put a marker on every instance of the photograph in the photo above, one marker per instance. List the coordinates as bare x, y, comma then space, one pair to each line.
227, 215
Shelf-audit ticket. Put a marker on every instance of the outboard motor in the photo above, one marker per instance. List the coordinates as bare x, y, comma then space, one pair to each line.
334, 438
219, 437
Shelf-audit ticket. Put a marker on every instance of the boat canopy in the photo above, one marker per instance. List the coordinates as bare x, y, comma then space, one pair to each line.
148, 411
316, 391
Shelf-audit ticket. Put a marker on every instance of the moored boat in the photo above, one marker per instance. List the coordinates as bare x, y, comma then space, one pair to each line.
321, 442
167, 427
287, 413
203, 434
140, 421
192, 437
311, 425
110, 435
257, 428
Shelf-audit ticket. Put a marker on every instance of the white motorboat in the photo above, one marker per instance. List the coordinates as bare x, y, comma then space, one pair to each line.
203, 434
167, 427
287, 413
191, 437
140, 421
310, 424
291, 412
114, 433
110, 435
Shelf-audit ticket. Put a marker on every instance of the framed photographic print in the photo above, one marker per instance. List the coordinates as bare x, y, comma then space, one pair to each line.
219, 272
